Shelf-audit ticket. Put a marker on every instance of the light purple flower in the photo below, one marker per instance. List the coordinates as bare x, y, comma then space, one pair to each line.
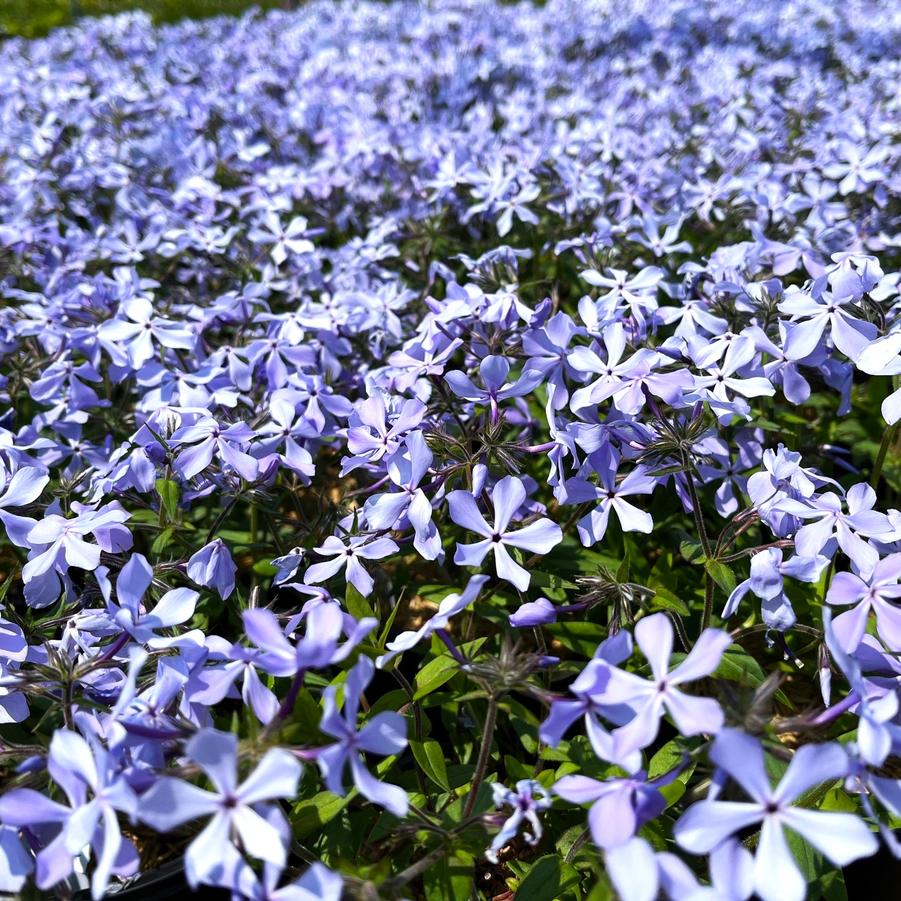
528, 799
649, 699
130, 614
589, 689
846, 528
212, 567
320, 646
207, 440
879, 594
767, 583
539, 612
494, 371
406, 469
284, 239
611, 494
58, 542
508, 496
813, 313
139, 330
23, 487
79, 768
619, 806
840, 837
232, 807
385, 734
347, 557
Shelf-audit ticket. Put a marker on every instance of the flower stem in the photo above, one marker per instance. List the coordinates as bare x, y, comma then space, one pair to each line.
703, 538
414, 870
696, 510
287, 705
887, 437
484, 755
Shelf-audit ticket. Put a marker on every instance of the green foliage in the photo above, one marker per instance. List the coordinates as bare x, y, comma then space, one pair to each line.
33, 18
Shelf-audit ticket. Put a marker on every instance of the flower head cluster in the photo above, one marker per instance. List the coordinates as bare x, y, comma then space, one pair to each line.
374, 376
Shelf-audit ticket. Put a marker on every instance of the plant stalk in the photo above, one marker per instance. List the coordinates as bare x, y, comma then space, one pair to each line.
484, 755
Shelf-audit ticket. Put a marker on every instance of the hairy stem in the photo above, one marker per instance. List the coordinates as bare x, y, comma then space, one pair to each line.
287, 705
887, 438
484, 755
703, 538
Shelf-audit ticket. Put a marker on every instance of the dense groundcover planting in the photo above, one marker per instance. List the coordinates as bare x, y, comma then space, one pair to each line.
450, 452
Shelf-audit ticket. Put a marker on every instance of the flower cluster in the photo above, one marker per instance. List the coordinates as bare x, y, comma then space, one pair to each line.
410, 413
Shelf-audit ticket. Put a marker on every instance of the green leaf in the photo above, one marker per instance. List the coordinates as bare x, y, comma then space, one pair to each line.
434, 674
721, 574
542, 882
668, 758
169, 493
838, 799
548, 879
567, 841
304, 721
548, 580
516, 769
824, 880
430, 756
665, 760
690, 548
311, 815
602, 891
737, 666
664, 599
622, 571
4, 588
383, 638
451, 878
357, 606
162, 541
579, 636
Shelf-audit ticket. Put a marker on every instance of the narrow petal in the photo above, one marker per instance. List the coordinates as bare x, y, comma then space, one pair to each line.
631, 518
693, 715
473, 554
465, 512
704, 657
612, 818
358, 577
538, 537
392, 797
173, 608
259, 838
579, 789
216, 752
508, 496
705, 824
385, 733
208, 851
171, 802
262, 628
654, 635
776, 875
812, 765
841, 837
27, 807
509, 570
133, 580
741, 756
275, 776
633, 871
24, 487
